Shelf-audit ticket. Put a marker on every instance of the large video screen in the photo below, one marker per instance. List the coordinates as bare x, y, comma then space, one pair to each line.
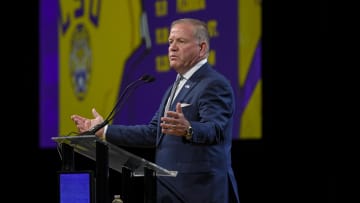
90, 50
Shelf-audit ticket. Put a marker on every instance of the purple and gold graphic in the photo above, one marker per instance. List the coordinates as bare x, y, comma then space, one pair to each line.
235, 52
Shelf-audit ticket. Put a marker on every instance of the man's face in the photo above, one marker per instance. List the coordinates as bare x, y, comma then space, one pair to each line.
184, 49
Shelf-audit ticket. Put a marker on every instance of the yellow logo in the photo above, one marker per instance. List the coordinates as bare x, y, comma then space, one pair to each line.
80, 61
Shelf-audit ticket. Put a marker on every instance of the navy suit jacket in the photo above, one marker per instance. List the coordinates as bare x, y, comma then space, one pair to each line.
203, 163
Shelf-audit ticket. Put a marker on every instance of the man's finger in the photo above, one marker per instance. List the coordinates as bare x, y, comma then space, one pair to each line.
95, 113
178, 108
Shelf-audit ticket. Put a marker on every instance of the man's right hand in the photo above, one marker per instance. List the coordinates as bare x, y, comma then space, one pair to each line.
84, 124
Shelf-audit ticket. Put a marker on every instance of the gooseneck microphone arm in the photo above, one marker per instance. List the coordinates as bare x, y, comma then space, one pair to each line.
126, 93
123, 97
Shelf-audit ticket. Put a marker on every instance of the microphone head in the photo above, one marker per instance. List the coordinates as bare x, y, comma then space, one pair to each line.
147, 78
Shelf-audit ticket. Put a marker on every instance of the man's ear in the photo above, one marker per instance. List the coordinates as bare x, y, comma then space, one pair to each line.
201, 45
202, 48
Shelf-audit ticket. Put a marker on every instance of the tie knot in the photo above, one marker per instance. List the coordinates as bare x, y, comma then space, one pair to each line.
179, 77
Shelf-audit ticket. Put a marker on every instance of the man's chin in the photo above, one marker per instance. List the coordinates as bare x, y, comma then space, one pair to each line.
174, 66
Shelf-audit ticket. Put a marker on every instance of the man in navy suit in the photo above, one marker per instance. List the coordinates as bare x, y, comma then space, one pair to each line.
193, 133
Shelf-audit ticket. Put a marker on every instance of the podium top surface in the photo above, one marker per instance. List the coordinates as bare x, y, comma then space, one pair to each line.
118, 157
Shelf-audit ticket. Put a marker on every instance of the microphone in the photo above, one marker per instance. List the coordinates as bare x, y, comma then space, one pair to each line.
123, 97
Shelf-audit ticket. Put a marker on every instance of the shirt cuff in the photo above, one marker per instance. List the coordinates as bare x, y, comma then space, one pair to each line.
104, 134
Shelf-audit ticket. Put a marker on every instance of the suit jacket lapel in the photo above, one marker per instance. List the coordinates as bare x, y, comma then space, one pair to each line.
161, 114
188, 86
183, 92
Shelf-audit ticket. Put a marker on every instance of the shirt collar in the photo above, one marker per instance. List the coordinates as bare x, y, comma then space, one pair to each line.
192, 70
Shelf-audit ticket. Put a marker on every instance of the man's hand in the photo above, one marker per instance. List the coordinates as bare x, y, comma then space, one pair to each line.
175, 123
84, 124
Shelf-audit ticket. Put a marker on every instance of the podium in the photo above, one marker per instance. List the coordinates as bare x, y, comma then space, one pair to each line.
107, 155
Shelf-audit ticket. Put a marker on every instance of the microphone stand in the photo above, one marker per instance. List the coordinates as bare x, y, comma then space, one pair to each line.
123, 97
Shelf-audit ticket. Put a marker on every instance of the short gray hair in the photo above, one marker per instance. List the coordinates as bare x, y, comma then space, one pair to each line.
201, 30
